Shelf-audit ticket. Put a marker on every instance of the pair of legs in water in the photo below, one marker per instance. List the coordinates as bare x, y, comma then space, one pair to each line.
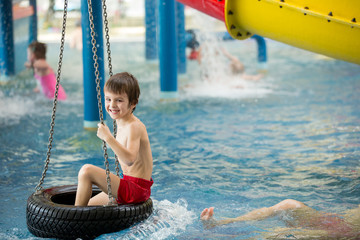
300, 216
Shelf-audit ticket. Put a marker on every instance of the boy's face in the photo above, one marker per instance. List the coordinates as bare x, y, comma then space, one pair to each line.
117, 105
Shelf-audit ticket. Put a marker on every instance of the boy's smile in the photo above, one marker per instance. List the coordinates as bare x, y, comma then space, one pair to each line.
113, 111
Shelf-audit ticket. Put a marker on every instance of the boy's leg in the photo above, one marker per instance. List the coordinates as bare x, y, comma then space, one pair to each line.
89, 175
258, 214
99, 199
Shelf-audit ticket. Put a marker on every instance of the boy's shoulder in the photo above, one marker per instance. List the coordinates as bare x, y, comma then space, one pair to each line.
137, 125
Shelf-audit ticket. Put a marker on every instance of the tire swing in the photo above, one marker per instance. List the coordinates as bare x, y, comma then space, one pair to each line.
50, 213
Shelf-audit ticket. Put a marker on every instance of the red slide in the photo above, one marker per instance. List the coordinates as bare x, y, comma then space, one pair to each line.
214, 8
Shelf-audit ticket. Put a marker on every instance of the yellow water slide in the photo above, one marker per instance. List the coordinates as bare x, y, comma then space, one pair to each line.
329, 27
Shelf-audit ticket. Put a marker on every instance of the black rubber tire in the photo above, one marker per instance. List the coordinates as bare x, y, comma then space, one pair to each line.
52, 214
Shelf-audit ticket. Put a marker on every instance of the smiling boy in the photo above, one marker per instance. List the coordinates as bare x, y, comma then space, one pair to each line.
131, 145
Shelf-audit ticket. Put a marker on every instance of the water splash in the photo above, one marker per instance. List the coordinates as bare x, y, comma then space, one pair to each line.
232, 89
214, 67
168, 220
13, 108
216, 77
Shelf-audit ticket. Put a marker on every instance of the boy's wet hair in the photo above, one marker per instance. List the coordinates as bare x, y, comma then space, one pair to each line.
39, 49
124, 83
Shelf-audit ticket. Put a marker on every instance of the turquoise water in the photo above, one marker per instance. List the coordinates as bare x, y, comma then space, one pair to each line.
293, 134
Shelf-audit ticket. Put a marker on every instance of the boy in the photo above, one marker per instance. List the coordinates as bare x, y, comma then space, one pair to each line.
36, 59
132, 147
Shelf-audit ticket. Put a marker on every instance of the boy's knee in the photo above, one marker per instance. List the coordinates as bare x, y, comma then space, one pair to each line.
85, 170
289, 204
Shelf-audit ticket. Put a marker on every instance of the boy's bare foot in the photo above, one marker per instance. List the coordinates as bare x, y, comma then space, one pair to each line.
207, 213
207, 217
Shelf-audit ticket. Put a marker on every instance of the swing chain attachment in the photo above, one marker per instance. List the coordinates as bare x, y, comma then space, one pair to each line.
38, 188
98, 89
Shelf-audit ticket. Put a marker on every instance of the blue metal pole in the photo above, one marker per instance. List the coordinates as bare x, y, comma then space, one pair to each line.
7, 55
91, 110
167, 49
181, 37
262, 56
261, 45
33, 23
151, 52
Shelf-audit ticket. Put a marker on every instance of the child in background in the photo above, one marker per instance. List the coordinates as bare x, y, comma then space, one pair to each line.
131, 145
236, 66
36, 54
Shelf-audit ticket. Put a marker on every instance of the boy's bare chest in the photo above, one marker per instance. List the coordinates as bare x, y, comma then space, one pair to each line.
122, 136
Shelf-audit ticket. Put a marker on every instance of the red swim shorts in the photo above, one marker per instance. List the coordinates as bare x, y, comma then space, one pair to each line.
134, 190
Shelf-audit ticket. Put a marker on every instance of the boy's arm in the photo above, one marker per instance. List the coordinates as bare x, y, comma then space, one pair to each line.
126, 154
228, 55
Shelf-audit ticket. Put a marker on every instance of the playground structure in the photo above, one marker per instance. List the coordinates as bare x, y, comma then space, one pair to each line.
327, 27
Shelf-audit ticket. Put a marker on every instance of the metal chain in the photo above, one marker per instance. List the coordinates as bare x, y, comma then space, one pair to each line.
117, 169
52, 124
98, 89
107, 37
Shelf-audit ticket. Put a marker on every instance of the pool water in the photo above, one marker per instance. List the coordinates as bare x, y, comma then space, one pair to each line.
294, 134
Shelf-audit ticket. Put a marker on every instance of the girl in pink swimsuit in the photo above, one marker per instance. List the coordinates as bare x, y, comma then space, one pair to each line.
43, 72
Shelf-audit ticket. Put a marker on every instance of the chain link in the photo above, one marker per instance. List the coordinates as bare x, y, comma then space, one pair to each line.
98, 89
53, 115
